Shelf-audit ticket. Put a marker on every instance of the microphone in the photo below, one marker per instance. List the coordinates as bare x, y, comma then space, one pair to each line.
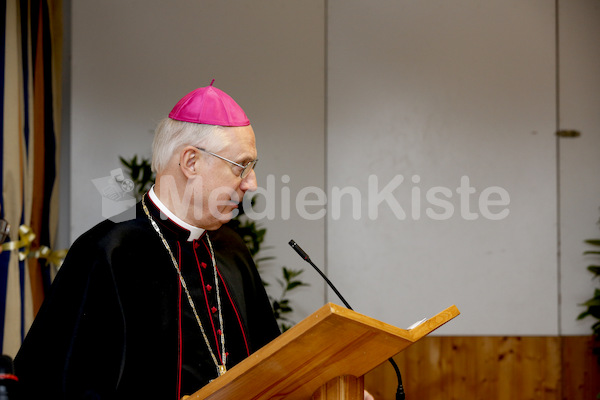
400, 390
306, 258
8, 380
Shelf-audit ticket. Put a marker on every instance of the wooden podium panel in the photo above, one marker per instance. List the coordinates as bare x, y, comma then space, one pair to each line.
331, 342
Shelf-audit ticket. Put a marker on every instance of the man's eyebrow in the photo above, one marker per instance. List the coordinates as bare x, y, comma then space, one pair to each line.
245, 159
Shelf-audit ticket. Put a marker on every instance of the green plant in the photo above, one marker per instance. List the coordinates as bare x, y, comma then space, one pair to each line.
253, 235
250, 232
593, 304
281, 306
140, 173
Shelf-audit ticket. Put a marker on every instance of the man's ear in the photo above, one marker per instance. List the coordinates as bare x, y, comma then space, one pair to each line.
188, 159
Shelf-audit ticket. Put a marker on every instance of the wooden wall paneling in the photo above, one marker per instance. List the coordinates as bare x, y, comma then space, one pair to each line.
456, 369
489, 368
581, 372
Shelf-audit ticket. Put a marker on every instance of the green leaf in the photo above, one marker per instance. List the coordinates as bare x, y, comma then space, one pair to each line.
135, 173
583, 315
295, 273
146, 174
594, 269
261, 259
592, 302
286, 309
292, 285
285, 327
125, 162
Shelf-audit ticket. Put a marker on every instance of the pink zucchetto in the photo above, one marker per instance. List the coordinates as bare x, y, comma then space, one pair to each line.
211, 106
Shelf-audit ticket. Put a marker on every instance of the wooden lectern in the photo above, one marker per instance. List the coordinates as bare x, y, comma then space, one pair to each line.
323, 357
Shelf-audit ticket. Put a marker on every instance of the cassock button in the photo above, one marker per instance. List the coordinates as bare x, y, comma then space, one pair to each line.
196, 244
213, 310
208, 288
203, 265
219, 332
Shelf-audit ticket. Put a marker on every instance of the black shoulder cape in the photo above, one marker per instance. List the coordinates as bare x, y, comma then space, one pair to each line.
117, 324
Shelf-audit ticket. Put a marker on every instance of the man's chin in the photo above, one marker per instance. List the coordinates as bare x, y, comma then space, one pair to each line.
218, 222
221, 217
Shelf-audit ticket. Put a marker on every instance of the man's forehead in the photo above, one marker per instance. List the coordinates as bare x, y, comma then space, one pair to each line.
239, 140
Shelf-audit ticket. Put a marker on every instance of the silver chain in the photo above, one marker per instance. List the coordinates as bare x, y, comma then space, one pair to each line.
221, 368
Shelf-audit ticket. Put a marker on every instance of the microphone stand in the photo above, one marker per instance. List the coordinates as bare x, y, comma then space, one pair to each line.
400, 390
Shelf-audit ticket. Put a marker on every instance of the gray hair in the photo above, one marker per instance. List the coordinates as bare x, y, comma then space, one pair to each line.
171, 135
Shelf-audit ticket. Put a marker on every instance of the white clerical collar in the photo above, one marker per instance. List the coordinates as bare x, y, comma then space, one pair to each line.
195, 232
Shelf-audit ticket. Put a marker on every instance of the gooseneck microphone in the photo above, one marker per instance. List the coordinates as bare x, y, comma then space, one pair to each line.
400, 390
306, 258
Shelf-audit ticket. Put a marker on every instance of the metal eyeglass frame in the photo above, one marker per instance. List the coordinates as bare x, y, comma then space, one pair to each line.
246, 169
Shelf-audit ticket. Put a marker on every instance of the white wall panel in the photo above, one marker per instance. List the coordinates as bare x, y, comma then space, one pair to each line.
439, 91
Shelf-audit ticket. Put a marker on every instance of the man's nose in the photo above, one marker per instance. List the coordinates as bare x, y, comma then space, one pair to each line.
249, 182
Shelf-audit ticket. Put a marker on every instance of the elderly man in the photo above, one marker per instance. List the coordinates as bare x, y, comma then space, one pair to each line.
157, 306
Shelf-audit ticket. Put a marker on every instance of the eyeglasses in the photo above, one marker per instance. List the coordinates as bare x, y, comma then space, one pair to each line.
246, 169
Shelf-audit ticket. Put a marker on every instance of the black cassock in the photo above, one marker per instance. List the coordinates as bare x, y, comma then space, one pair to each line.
117, 323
